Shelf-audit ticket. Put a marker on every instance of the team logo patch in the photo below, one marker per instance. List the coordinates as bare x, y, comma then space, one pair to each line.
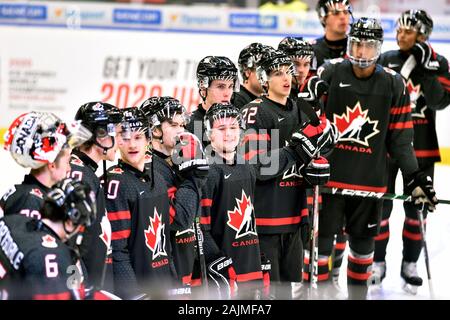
356, 126
154, 235
106, 234
415, 93
37, 192
76, 161
49, 242
241, 219
116, 171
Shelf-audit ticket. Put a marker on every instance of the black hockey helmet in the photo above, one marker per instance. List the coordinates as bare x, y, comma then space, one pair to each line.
370, 31
270, 60
221, 111
70, 200
248, 57
324, 7
296, 48
418, 20
134, 119
100, 118
216, 68
160, 109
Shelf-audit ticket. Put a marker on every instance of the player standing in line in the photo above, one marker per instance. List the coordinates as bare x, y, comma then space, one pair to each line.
370, 106
428, 84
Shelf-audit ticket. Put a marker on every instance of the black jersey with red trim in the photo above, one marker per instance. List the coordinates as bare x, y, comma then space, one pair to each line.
373, 116
26, 198
139, 214
242, 97
34, 262
280, 202
184, 205
428, 91
325, 50
196, 125
95, 249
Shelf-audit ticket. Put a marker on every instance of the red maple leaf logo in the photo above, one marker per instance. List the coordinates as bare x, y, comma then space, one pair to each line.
106, 233
414, 94
241, 219
154, 236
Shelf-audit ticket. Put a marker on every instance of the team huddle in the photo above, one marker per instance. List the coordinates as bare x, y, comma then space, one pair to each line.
224, 203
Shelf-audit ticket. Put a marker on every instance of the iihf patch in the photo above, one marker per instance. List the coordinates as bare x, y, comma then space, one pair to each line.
116, 171
49, 242
257, 100
37, 192
77, 162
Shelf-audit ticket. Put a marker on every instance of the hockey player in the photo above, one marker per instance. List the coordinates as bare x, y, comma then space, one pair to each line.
217, 79
274, 118
228, 219
334, 15
302, 55
428, 84
168, 119
250, 89
35, 262
138, 208
40, 141
95, 249
370, 107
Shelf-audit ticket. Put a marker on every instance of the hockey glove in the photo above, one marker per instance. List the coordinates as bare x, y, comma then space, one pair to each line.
222, 276
317, 172
314, 89
328, 148
189, 157
425, 56
421, 189
309, 140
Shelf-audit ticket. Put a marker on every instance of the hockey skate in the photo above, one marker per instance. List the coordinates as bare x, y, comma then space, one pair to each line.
378, 273
412, 281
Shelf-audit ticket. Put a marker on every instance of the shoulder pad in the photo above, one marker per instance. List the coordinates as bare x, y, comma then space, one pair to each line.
8, 193
37, 192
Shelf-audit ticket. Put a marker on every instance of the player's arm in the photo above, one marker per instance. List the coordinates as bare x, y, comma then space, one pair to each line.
436, 86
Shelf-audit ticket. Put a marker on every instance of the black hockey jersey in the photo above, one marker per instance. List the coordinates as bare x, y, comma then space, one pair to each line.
139, 216
243, 97
96, 238
26, 198
184, 205
280, 202
35, 263
428, 92
196, 125
325, 50
373, 116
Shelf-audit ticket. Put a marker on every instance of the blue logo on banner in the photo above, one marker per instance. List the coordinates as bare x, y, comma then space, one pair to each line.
253, 20
388, 25
23, 11
137, 16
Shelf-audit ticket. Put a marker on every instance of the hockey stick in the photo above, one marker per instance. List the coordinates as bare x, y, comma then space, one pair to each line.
313, 244
200, 254
372, 194
425, 248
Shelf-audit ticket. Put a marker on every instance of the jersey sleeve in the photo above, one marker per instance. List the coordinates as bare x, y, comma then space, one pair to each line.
436, 86
282, 160
120, 209
22, 201
400, 131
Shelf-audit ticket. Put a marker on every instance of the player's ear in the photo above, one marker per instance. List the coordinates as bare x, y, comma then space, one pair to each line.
421, 38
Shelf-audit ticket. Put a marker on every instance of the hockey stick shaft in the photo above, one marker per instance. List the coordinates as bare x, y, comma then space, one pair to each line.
313, 249
372, 194
425, 249
200, 253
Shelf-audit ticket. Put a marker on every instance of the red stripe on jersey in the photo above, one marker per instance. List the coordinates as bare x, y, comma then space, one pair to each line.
427, 153
320, 277
401, 110
360, 260
304, 213
382, 236
256, 137
277, 221
187, 279
320, 262
309, 199
118, 235
358, 276
401, 125
412, 236
333, 184
205, 220
171, 192
52, 296
413, 222
206, 202
172, 214
249, 276
249, 155
444, 81
196, 282
119, 215
340, 245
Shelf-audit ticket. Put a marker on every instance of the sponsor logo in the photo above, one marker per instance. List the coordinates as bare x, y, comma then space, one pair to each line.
343, 85
190, 20
226, 176
371, 225
253, 20
241, 218
280, 119
23, 11
132, 16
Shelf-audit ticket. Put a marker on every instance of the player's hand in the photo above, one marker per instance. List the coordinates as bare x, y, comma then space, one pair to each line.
222, 276
317, 172
425, 56
189, 158
420, 187
314, 89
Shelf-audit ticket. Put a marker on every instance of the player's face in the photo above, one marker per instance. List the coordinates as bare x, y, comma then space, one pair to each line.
338, 19
225, 135
220, 91
280, 82
61, 167
406, 38
302, 66
132, 150
253, 82
364, 49
172, 129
